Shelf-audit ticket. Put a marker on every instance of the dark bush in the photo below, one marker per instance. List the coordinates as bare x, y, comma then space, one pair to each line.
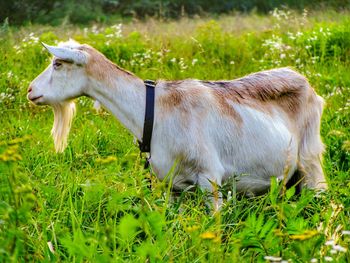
82, 12
336, 45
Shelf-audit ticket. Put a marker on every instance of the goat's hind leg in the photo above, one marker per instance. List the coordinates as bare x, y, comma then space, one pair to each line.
311, 169
310, 156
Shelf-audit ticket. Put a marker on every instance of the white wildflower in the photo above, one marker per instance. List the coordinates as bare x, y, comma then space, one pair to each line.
51, 248
95, 30
345, 232
330, 242
339, 248
9, 74
182, 64
290, 35
147, 54
329, 259
229, 195
87, 184
313, 38
273, 259
117, 30
314, 59
275, 43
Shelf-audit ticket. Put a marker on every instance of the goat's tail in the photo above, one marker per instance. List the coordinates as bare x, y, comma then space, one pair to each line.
311, 147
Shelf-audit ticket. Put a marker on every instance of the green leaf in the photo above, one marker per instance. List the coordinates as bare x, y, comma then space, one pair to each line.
127, 228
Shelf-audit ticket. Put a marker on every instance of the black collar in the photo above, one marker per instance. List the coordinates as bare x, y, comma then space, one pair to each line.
145, 144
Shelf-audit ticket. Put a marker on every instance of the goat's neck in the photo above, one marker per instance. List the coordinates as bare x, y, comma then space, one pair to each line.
124, 97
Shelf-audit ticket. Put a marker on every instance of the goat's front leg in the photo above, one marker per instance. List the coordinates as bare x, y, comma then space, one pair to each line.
212, 185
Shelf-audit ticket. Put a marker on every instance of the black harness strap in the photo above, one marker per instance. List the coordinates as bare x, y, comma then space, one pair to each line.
145, 144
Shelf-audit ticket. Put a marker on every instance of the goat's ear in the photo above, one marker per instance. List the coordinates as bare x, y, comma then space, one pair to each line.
68, 54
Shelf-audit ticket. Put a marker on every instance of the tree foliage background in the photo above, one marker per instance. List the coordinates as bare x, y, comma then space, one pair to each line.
19, 12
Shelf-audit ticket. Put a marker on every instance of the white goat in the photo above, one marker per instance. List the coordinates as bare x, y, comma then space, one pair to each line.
262, 125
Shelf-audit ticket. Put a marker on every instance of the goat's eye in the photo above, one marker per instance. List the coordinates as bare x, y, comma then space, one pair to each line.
57, 64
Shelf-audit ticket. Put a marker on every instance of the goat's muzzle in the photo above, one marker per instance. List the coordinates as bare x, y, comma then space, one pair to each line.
31, 97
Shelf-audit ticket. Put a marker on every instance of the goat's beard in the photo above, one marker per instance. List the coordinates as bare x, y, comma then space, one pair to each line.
63, 116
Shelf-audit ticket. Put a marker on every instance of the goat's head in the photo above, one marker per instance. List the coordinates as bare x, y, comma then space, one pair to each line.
63, 80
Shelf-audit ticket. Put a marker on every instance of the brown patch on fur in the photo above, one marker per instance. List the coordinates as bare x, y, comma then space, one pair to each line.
226, 108
184, 97
173, 98
101, 68
279, 88
283, 88
228, 91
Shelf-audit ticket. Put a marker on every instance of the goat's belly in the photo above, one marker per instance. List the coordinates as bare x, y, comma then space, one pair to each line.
264, 147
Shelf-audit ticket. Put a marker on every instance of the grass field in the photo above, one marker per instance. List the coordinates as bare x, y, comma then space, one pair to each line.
96, 203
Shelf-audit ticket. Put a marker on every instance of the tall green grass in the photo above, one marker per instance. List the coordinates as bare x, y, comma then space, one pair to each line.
96, 203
